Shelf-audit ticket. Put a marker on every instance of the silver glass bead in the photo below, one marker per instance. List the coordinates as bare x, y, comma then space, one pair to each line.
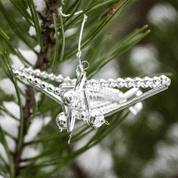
67, 81
138, 82
30, 79
30, 71
120, 82
103, 83
57, 91
165, 80
147, 82
27, 69
23, 76
50, 88
22, 68
17, 72
128, 82
59, 78
43, 85
14, 66
44, 74
69, 98
156, 81
112, 82
96, 118
37, 72
36, 81
61, 121
94, 82
51, 76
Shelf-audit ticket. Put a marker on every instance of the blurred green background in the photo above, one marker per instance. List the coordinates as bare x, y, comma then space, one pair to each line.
145, 145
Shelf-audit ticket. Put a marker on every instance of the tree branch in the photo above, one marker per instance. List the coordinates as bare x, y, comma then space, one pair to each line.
42, 64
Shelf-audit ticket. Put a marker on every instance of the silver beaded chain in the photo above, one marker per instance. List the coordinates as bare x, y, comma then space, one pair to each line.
146, 82
102, 94
44, 75
136, 82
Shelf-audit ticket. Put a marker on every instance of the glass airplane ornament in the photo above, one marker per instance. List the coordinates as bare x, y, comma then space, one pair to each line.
91, 101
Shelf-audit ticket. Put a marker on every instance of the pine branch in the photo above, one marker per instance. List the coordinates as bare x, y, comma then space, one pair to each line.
42, 64
58, 156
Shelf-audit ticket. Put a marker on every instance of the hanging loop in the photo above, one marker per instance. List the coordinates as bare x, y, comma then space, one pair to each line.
87, 66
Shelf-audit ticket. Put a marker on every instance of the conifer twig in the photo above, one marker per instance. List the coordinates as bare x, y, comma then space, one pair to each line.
42, 61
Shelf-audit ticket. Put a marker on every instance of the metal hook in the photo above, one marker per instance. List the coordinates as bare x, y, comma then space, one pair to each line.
83, 62
80, 38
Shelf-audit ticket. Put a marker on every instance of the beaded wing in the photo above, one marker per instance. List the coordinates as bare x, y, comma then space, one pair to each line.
91, 100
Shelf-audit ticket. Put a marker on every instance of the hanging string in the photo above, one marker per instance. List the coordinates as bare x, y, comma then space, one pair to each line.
80, 39
81, 32
62, 2
67, 15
